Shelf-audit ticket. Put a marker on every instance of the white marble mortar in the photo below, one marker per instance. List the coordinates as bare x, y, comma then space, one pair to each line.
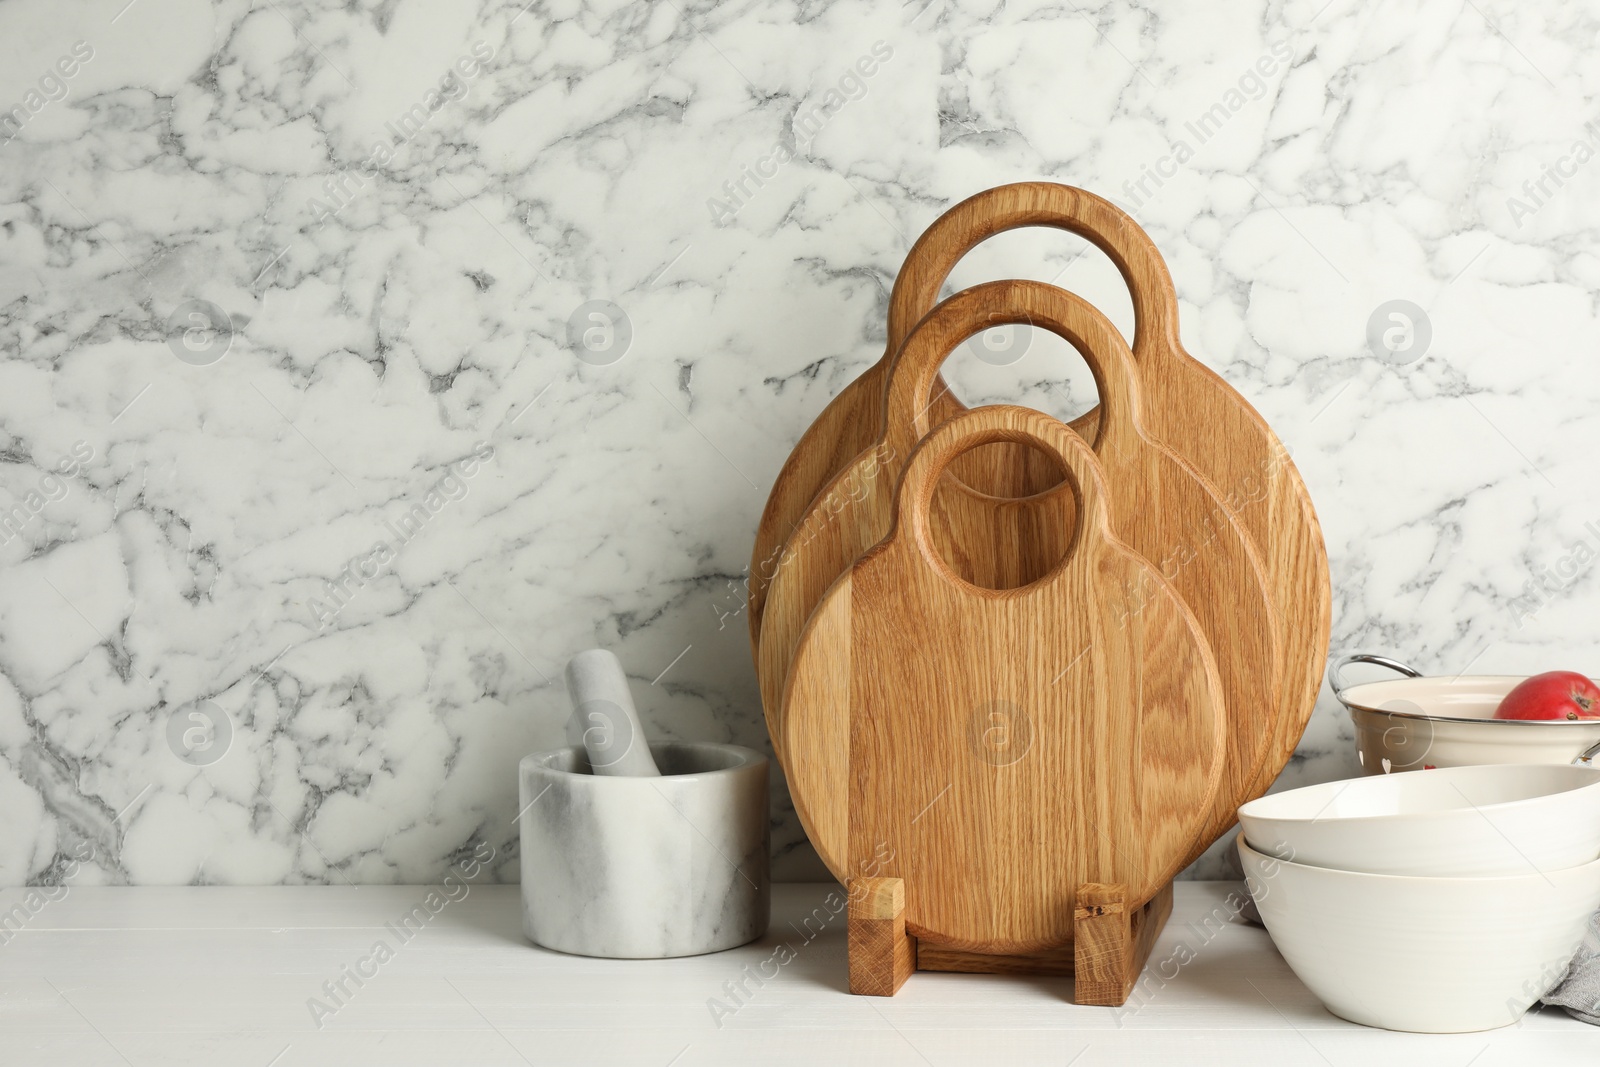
642, 868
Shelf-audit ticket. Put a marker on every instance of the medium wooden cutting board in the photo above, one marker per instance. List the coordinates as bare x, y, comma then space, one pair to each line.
1158, 505
955, 737
1202, 418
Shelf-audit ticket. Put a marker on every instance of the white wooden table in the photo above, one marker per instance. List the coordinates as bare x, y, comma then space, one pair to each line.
235, 977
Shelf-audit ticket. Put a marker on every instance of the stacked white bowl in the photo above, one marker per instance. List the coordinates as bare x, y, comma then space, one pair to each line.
1438, 901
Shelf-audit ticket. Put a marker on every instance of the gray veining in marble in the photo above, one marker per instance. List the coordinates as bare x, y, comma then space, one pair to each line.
363, 362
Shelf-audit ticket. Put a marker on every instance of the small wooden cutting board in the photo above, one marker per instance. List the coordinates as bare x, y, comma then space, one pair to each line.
999, 749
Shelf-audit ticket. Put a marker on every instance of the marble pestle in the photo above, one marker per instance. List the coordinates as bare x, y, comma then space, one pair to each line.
603, 708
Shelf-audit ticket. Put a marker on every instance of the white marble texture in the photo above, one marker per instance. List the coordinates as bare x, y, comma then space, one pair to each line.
645, 867
400, 315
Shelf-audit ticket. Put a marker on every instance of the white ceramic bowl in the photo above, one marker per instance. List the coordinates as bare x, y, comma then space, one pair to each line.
1410, 724
1427, 955
1458, 822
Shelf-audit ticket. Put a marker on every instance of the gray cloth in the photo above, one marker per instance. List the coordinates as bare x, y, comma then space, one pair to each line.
1579, 989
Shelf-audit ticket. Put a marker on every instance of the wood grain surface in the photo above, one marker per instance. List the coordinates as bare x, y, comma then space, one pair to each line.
881, 954
1195, 412
1000, 748
849, 423
1112, 941
1110, 944
1159, 505
1192, 410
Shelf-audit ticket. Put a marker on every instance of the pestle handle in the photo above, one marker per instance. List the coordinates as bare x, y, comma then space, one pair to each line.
603, 708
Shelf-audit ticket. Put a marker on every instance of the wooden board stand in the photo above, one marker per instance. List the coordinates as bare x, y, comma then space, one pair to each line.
1110, 946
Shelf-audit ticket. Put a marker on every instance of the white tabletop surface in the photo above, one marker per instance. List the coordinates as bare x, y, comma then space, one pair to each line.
226, 976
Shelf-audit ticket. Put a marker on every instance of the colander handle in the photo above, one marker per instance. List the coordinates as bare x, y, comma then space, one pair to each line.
1337, 670
1587, 757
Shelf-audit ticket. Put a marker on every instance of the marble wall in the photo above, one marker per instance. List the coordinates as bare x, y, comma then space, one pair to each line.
316, 474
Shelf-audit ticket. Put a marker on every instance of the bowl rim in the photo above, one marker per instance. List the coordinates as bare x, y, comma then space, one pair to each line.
1464, 771
538, 763
1351, 698
1246, 850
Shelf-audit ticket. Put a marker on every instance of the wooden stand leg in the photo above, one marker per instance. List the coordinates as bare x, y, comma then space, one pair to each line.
882, 954
1111, 942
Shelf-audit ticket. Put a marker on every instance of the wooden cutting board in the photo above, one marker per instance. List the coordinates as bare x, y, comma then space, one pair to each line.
850, 423
907, 677
1200, 417
1158, 505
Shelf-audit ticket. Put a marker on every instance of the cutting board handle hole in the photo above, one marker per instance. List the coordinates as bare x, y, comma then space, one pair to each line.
968, 551
1027, 365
